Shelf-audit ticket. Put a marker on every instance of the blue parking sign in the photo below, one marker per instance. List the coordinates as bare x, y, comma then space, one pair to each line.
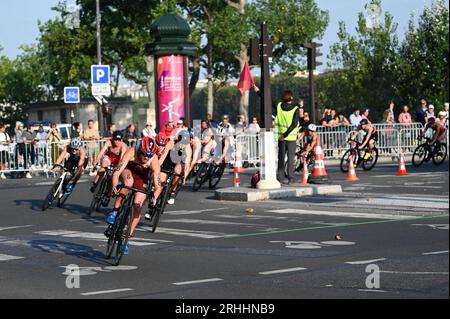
100, 74
72, 94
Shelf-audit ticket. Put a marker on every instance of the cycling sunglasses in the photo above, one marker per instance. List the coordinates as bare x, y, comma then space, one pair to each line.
148, 154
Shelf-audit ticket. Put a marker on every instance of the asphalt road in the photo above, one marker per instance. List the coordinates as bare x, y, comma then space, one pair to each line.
205, 248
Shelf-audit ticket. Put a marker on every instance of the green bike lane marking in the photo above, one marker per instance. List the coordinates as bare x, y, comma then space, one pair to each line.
334, 226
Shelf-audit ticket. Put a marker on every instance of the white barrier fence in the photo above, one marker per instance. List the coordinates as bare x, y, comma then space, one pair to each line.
392, 139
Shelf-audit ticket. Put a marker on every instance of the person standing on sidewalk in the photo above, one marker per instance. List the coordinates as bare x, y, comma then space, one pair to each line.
91, 135
286, 132
5, 141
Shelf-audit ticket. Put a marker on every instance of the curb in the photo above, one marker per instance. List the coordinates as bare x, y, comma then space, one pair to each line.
244, 194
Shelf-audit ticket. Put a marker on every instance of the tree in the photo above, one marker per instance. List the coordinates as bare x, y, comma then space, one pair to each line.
424, 57
366, 64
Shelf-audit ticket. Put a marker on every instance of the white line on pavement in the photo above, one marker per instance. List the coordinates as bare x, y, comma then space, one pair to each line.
14, 227
280, 271
363, 262
196, 281
414, 272
190, 212
205, 222
4, 257
185, 232
341, 214
372, 290
436, 253
105, 292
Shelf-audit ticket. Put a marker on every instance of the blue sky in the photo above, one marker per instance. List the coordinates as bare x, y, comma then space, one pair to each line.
18, 19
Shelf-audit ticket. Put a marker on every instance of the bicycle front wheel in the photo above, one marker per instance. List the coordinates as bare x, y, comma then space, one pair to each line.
345, 160
200, 178
51, 195
370, 163
216, 175
440, 155
419, 155
123, 234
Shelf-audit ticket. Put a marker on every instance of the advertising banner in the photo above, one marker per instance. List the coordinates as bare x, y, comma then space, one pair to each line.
170, 89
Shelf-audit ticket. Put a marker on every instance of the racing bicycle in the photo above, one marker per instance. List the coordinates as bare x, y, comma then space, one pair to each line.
209, 171
425, 152
58, 190
299, 161
102, 194
364, 158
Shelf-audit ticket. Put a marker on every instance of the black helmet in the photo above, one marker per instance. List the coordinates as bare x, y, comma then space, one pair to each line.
117, 135
431, 121
363, 122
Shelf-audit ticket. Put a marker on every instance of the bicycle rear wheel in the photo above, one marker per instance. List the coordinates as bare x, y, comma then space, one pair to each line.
345, 160
370, 163
216, 175
440, 155
97, 197
419, 155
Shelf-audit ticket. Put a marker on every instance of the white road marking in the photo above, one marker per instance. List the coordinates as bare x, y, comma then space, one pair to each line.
51, 183
106, 292
363, 262
280, 271
4, 257
205, 222
313, 244
95, 236
414, 272
372, 290
190, 212
14, 227
435, 226
196, 281
340, 214
255, 217
436, 253
185, 232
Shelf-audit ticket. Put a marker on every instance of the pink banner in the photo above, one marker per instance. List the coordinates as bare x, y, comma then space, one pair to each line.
170, 89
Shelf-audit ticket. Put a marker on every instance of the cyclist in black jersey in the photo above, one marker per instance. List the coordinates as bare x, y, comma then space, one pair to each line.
370, 135
75, 162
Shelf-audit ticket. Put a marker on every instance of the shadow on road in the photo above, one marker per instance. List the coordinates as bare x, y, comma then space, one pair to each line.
70, 249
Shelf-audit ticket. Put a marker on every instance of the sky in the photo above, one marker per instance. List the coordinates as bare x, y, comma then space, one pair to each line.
19, 19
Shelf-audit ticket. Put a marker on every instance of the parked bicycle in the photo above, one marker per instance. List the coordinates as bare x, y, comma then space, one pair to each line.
426, 152
364, 158
209, 171
59, 189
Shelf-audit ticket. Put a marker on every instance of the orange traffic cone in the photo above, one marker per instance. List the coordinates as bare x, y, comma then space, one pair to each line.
238, 159
351, 177
401, 166
319, 174
304, 180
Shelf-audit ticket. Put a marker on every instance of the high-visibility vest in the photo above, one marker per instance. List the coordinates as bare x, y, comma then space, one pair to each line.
283, 121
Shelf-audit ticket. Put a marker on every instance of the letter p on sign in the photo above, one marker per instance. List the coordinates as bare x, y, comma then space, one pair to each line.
100, 74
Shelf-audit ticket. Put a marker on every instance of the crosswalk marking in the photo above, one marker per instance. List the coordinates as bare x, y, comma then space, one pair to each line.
185, 232
4, 257
341, 214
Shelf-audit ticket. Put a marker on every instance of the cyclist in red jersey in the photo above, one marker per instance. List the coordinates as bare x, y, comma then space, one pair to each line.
111, 154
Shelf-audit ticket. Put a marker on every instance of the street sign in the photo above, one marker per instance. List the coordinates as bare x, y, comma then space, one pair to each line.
101, 89
100, 74
71, 94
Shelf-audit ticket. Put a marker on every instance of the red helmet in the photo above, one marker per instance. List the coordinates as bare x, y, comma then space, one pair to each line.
148, 147
161, 139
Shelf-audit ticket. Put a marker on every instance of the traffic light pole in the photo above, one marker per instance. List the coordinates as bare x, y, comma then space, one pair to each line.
312, 97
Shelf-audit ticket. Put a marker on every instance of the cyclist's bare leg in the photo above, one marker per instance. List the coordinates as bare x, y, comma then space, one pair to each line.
176, 179
128, 181
101, 171
197, 146
158, 190
139, 200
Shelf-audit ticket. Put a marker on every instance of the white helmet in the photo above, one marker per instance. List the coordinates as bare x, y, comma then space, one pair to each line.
75, 143
312, 127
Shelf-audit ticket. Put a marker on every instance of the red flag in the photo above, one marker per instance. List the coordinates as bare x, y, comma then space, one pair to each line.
246, 81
